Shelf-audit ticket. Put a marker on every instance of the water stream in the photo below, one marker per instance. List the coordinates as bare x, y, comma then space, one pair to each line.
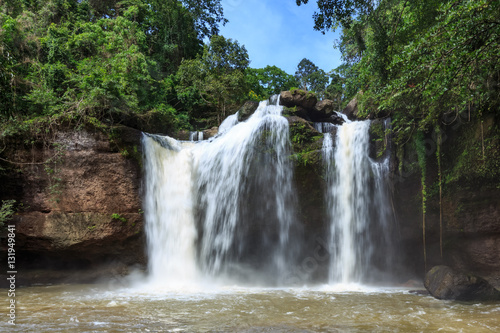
361, 228
222, 207
83, 308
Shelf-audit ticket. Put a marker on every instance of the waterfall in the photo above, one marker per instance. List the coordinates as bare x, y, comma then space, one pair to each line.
168, 210
195, 136
357, 206
244, 182
224, 206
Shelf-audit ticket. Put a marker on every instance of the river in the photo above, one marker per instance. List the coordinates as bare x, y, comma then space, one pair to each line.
218, 308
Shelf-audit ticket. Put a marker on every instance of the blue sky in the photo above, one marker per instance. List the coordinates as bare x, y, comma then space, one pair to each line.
280, 33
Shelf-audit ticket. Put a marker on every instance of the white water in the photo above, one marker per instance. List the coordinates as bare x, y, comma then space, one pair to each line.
357, 206
169, 211
244, 182
241, 185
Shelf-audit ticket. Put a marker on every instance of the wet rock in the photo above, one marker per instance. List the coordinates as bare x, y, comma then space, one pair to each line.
247, 110
182, 135
211, 132
443, 282
297, 111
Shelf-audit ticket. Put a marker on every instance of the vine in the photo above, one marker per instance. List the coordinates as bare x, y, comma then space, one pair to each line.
438, 157
420, 145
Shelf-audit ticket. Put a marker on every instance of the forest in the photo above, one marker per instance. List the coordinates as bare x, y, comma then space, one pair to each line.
422, 62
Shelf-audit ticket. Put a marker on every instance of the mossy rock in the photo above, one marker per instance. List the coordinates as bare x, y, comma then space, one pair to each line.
378, 139
247, 110
303, 136
297, 97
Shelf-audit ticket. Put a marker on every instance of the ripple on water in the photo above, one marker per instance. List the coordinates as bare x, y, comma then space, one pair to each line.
236, 309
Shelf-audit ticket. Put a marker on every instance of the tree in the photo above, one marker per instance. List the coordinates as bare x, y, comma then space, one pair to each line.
339, 12
335, 90
268, 81
217, 77
87, 58
208, 14
310, 76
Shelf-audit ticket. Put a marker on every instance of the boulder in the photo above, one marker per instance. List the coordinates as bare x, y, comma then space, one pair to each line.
298, 97
444, 282
325, 107
247, 110
305, 105
351, 110
211, 132
297, 111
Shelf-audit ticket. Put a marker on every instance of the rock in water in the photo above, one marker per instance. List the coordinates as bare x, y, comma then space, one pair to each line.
443, 282
247, 110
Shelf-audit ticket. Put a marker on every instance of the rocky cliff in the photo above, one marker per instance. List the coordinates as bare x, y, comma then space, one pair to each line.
462, 216
79, 210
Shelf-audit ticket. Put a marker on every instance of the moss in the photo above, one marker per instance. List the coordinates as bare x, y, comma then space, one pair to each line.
378, 144
297, 91
475, 159
306, 143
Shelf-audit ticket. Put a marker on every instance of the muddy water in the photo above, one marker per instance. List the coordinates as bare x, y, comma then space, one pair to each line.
82, 308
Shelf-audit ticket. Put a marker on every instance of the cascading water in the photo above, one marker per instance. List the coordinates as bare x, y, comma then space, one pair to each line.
357, 206
245, 192
169, 210
241, 185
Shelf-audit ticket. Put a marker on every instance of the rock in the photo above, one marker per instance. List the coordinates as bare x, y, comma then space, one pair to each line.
351, 110
298, 97
297, 111
325, 107
211, 132
182, 135
247, 110
305, 105
67, 220
443, 282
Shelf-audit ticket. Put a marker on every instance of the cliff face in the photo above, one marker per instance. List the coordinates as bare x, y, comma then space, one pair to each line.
466, 213
81, 215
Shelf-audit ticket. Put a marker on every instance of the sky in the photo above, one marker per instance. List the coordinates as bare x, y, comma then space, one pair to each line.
279, 33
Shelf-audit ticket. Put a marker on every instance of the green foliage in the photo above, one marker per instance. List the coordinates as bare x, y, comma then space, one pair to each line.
310, 77
421, 60
268, 81
89, 59
339, 12
216, 78
6, 211
118, 217
469, 166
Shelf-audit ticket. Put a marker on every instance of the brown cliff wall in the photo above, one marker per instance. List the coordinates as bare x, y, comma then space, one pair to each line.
470, 200
69, 189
